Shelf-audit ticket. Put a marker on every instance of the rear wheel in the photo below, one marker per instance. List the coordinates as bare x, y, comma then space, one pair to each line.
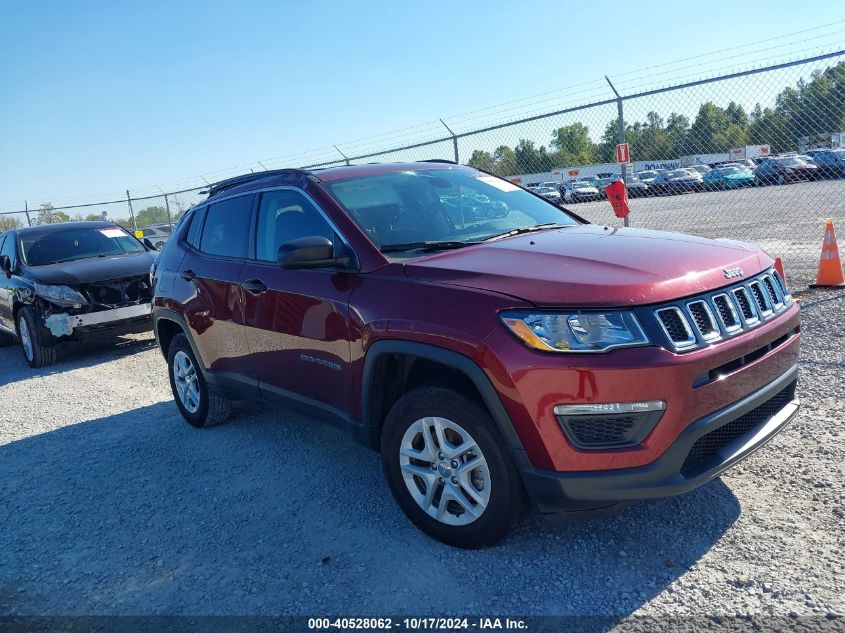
448, 471
36, 353
200, 406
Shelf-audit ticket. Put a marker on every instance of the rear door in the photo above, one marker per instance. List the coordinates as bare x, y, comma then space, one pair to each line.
297, 321
7, 243
209, 280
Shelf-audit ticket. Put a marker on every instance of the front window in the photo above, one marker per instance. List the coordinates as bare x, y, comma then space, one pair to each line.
459, 206
791, 162
55, 245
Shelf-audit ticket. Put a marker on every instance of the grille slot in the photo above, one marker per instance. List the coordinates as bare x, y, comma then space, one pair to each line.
745, 306
704, 450
703, 319
760, 297
781, 284
675, 325
727, 312
777, 298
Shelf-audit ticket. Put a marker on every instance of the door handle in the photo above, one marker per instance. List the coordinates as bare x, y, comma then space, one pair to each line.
188, 275
255, 286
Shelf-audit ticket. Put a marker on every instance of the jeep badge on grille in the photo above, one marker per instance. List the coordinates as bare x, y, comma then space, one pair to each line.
733, 272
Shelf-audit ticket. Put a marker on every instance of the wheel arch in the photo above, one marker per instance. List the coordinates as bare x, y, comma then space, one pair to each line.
392, 367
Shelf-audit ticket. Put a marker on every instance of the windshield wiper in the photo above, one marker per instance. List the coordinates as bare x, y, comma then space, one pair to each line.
425, 246
527, 229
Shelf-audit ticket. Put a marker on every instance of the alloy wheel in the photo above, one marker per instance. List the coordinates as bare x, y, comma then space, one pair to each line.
185, 379
26, 338
445, 471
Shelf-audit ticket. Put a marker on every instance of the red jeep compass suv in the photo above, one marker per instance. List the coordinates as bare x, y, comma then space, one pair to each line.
495, 348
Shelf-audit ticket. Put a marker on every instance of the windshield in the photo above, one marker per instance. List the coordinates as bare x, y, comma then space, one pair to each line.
544, 190
647, 174
678, 173
729, 171
55, 245
439, 205
791, 162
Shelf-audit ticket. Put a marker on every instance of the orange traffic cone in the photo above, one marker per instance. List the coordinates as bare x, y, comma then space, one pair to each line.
779, 268
830, 266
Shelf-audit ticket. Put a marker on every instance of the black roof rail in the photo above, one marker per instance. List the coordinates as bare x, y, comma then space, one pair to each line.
223, 185
439, 160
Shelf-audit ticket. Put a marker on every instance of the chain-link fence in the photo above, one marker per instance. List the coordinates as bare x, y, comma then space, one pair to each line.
756, 155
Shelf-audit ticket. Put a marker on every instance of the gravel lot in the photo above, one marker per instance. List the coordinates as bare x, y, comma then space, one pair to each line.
112, 505
786, 221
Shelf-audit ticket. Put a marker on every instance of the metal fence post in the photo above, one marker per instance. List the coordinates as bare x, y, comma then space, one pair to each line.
345, 157
621, 141
131, 212
26, 210
454, 140
167, 208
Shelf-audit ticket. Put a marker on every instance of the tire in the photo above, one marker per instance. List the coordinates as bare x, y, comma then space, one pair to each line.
29, 334
494, 509
200, 406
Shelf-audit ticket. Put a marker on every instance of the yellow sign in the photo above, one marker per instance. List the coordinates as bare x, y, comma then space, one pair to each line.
139, 234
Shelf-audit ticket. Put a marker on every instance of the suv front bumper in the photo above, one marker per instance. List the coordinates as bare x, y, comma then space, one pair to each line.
673, 473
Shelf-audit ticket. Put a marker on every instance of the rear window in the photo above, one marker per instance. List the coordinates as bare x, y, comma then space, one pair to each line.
55, 245
225, 232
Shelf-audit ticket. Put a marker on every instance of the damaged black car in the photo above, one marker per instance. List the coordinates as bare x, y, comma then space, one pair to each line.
64, 282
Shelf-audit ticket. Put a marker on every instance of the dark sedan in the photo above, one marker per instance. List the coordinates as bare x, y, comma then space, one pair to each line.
62, 282
783, 169
676, 181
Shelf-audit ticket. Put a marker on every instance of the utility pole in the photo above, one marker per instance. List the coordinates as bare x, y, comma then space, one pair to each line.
621, 135
454, 140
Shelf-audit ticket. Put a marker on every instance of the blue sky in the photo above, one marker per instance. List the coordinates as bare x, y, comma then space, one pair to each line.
99, 97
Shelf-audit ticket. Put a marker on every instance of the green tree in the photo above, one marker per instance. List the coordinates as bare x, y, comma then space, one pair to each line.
8, 222
505, 161
482, 160
572, 145
151, 215
47, 214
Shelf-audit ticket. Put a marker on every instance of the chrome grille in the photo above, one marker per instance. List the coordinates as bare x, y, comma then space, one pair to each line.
706, 319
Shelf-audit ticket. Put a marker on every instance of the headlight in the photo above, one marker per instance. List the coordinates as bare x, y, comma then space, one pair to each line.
61, 295
575, 331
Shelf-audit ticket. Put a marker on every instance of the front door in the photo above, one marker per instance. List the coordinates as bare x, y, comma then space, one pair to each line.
297, 321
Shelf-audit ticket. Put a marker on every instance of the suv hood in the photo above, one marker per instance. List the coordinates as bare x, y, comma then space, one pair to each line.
593, 266
94, 269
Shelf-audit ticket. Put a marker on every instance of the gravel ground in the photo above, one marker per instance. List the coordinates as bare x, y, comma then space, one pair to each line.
787, 221
112, 505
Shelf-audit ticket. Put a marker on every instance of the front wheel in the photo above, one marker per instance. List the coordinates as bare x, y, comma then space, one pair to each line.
200, 406
36, 353
448, 470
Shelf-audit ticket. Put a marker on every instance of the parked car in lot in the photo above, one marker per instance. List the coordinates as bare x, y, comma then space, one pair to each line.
531, 356
647, 177
549, 193
676, 181
580, 191
158, 235
701, 169
831, 163
727, 178
783, 169
63, 282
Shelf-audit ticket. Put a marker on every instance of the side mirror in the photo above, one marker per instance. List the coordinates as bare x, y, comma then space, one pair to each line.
149, 244
6, 265
308, 252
